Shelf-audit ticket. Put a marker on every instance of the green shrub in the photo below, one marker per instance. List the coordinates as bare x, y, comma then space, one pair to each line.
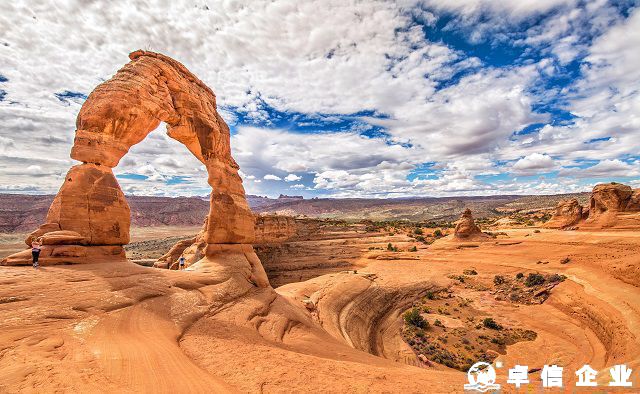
438, 323
413, 249
414, 318
498, 280
418, 231
437, 233
534, 280
491, 324
519, 275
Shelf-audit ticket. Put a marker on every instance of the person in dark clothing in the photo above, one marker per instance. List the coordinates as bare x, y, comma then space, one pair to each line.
35, 251
181, 263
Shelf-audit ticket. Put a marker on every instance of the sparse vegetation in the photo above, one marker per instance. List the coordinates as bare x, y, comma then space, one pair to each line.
414, 318
413, 249
438, 233
470, 272
519, 275
566, 260
491, 324
534, 280
418, 231
498, 280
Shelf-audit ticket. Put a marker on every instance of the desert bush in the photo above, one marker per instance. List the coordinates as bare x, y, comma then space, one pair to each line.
470, 272
438, 323
534, 280
414, 318
491, 324
498, 280
437, 233
418, 231
431, 295
519, 275
556, 278
566, 260
536, 231
413, 249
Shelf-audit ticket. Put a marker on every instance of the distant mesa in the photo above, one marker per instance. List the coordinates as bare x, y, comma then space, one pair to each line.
285, 197
90, 217
610, 205
466, 228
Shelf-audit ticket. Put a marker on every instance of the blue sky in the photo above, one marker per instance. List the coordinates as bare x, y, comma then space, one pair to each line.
344, 98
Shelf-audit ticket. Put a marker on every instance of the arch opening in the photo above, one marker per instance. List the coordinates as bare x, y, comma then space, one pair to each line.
89, 218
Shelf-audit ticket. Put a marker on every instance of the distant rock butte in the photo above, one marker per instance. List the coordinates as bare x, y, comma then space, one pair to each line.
467, 229
611, 205
119, 113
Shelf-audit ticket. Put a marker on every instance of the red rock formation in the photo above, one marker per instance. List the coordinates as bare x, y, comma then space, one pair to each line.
120, 113
610, 200
268, 229
273, 228
467, 229
568, 213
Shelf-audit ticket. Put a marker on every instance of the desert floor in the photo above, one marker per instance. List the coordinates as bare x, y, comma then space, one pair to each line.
101, 327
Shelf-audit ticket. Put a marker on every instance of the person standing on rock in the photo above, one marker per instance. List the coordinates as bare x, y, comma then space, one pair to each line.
36, 245
181, 263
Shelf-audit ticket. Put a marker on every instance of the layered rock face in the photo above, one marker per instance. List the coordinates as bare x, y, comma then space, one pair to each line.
120, 113
466, 228
270, 229
568, 213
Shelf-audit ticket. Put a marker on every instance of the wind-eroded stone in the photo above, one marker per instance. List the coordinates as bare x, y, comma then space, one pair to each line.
466, 227
568, 213
90, 214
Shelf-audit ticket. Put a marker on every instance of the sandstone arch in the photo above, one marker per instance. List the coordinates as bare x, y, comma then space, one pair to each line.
90, 218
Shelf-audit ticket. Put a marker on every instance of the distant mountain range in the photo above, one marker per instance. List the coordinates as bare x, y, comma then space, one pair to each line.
24, 213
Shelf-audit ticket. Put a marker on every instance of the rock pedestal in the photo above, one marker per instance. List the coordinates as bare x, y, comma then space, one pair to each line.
466, 228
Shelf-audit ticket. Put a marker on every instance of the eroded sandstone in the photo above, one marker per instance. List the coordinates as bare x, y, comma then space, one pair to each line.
568, 213
90, 213
467, 229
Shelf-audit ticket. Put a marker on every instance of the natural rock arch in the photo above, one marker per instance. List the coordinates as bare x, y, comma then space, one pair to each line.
89, 218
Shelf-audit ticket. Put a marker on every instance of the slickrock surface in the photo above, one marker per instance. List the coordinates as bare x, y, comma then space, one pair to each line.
125, 328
